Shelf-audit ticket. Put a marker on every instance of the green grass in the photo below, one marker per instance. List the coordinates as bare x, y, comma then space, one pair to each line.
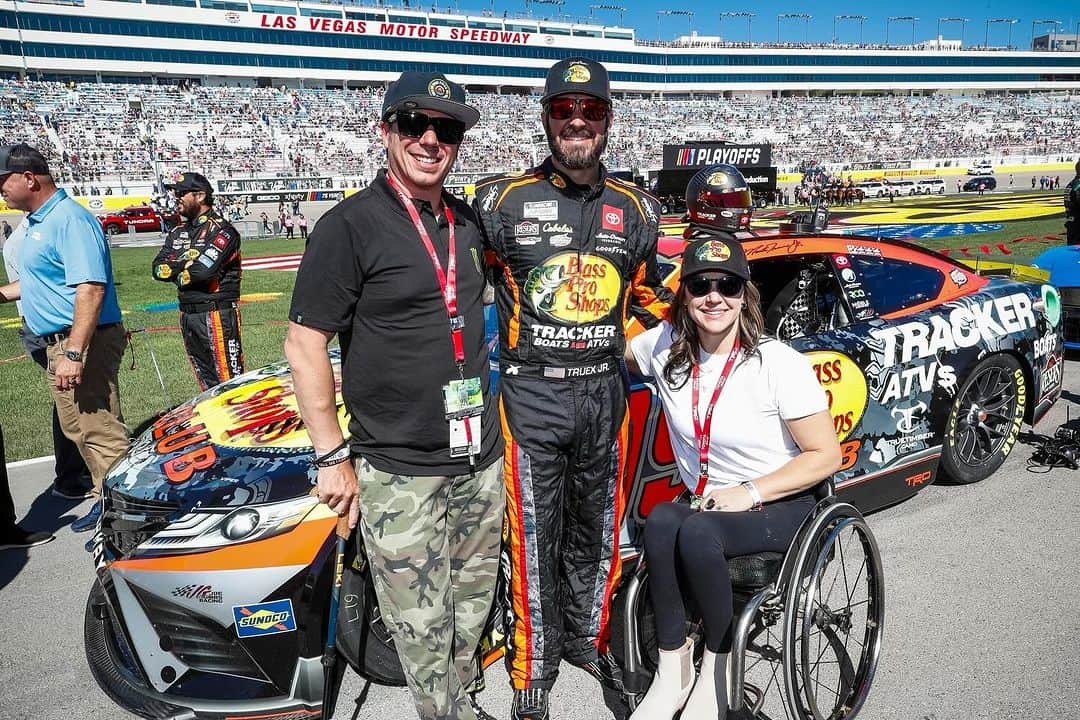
25, 403
24, 398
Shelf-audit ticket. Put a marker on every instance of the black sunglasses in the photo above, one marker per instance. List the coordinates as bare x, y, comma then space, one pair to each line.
727, 285
592, 109
413, 123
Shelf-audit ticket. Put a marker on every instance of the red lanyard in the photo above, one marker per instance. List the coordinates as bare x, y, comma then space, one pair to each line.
447, 280
703, 435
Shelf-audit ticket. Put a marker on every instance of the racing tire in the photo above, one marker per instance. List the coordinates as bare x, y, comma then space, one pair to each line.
984, 420
111, 230
363, 638
665, 209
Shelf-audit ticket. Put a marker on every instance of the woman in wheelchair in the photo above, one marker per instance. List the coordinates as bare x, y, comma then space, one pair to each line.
752, 435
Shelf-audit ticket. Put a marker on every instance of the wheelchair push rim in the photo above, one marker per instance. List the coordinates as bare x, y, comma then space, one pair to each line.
834, 623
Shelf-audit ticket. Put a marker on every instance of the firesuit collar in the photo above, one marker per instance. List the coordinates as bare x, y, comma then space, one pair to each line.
568, 186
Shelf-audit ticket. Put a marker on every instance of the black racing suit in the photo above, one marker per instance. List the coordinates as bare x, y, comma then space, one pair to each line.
203, 259
570, 264
1072, 211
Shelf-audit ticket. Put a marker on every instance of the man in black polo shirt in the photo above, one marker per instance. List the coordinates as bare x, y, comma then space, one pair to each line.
395, 271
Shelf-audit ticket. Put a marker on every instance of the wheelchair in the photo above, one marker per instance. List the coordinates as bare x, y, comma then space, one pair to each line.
807, 628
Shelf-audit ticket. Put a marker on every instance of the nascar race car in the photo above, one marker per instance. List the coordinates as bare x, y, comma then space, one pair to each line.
214, 562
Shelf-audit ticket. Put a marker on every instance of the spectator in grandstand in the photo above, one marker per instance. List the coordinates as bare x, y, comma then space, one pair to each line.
424, 434
69, 301
563, 402
72, 479
201, 257
301, 222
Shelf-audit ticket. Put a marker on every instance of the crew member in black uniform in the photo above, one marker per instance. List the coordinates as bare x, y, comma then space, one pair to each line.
574, 253
202, 257
1072, 209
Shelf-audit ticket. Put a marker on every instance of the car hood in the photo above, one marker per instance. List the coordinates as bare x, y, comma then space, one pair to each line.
238, 443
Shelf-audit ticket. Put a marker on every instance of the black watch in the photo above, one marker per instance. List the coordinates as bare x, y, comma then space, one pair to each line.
73, 355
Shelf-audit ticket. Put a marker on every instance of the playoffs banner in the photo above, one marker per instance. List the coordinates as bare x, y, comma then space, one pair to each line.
699, 154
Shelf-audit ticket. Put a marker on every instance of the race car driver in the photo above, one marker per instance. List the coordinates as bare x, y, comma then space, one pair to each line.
1072, 209
201, 256
573, 251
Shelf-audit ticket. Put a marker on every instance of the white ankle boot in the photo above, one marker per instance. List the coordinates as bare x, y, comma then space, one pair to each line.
709, 697
670, 686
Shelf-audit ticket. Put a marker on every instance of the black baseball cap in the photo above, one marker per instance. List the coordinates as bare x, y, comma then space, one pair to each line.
428, 91
190, 181
714, 254
577, 75
20, 157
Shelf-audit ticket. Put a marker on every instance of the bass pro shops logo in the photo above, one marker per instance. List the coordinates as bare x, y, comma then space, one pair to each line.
574, 289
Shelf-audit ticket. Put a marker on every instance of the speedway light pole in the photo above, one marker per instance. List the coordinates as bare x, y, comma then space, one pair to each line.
901, 18
614, 8
805, 17
963, 22
740, 13
860, 18
1054, 24
994, 21
688, 14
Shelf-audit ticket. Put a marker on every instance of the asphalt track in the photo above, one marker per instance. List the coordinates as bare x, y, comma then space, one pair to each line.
982, 615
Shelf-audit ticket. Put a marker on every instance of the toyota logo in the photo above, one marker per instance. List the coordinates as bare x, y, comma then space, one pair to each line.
612, 218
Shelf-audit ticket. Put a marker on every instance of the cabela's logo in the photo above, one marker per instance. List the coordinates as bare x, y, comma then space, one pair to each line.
574, 288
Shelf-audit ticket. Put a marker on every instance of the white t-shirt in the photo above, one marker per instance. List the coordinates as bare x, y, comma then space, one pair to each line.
749, 438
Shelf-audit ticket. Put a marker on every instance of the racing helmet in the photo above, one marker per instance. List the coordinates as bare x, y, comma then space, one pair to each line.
718, 197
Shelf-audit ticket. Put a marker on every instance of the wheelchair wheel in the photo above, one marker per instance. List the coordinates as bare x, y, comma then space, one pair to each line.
833, 621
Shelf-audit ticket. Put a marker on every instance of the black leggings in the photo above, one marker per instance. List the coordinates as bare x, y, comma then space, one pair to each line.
686, 552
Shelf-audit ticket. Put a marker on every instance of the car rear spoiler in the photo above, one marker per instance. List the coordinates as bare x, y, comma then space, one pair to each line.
1015, 271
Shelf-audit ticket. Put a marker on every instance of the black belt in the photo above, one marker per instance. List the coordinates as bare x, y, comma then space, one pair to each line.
62, 334
573, 371
208, 305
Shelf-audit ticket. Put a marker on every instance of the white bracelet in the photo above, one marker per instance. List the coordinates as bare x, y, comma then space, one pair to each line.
754, 494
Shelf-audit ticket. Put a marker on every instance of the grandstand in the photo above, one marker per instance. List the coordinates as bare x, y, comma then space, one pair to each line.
117, 91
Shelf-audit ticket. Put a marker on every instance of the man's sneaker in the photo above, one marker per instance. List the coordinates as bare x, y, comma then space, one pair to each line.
481, 713
71, 493
88, 521
16, 537
605, 669
531, 704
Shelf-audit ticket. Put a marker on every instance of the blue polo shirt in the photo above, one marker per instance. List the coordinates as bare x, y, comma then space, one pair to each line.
63, 247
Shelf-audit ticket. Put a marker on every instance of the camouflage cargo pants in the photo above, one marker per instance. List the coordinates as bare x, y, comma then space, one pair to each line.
433, 545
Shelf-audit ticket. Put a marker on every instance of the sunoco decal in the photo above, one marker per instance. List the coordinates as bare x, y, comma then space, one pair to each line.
573, 288
845, 389
268, 618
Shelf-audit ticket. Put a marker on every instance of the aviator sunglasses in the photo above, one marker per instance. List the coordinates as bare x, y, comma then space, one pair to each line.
412, 123
727, 285
592, 109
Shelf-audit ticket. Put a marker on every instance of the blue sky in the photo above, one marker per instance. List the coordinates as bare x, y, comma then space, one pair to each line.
763, 27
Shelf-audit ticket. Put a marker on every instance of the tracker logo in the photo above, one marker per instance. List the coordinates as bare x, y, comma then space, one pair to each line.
612, 219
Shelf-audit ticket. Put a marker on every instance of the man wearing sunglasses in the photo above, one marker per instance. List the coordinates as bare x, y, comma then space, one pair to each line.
575, 254
395, 271
201, 256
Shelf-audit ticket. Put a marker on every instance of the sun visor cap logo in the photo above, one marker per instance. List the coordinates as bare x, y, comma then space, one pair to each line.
577, 73
714, 251
439, 88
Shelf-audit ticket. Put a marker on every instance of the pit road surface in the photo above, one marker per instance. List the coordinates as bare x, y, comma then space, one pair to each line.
982, 615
